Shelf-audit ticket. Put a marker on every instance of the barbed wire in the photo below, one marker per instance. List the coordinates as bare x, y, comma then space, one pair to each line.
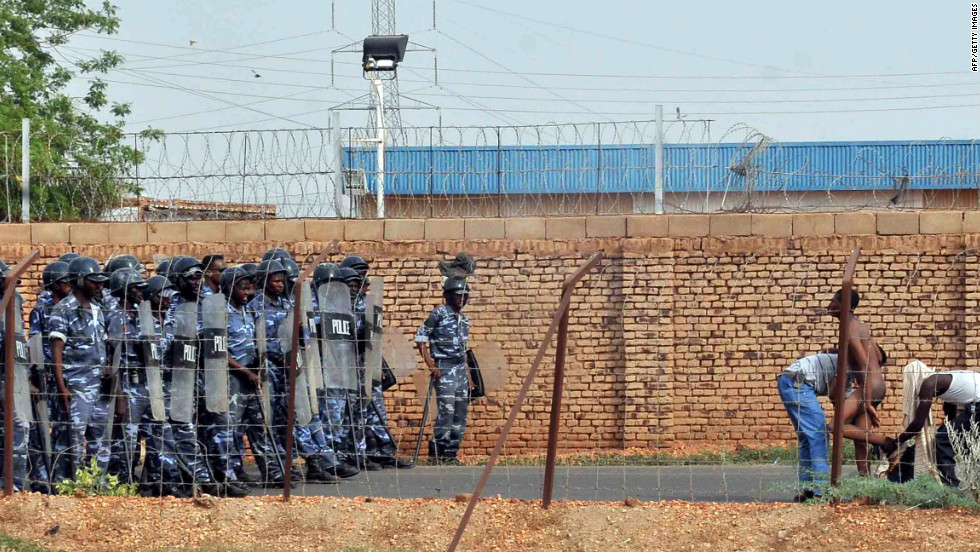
480, 171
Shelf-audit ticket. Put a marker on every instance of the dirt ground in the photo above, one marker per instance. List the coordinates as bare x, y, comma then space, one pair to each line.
324, 523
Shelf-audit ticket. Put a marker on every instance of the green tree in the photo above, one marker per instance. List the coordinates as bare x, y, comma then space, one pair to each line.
77, 144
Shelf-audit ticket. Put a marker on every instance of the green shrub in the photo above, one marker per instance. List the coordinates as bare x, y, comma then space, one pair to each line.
91, 481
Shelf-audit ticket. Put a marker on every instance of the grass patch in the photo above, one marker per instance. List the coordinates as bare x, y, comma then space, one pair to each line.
921, 492
13, 544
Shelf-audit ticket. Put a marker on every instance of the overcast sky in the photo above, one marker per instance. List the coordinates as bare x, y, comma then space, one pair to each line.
834, 70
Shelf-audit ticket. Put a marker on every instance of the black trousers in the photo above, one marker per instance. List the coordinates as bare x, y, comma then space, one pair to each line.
945, 459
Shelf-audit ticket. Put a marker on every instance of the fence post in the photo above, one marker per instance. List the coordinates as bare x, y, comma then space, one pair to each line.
658, 182
7, 307
25, 170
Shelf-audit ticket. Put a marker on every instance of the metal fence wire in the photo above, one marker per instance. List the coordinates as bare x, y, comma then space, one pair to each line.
544, 170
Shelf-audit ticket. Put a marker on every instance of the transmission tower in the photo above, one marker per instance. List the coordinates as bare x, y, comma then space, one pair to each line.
383, 23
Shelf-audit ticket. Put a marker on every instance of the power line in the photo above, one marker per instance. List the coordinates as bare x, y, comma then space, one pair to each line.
266, 82
286, 56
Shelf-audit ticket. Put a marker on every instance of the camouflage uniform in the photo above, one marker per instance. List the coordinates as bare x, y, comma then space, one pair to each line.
310, 440
83, 362
138, 419
22, 427
160, 464
447, 333
376, 437
245, 407
188, 451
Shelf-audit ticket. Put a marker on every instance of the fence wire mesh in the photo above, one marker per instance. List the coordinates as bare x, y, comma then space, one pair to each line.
671, 385
559, 169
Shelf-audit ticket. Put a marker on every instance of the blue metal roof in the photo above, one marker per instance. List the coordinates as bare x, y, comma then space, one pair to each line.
793, 166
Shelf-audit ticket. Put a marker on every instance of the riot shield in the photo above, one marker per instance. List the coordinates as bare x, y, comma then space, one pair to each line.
35, 347
265, 396
184, 363
214, 345
151, 356
302, 400
373, 320
339, 355
111, 388
22, 382
493, 366
398, 352
311, 348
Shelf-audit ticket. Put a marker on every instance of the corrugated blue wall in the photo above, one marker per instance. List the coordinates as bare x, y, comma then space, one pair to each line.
800, 166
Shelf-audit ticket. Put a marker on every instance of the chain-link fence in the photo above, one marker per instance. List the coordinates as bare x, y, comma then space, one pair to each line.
553, 170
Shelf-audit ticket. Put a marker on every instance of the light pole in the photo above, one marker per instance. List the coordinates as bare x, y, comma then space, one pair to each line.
381, 55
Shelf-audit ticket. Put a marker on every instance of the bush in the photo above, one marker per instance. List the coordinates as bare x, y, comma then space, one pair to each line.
91, 481
966, 449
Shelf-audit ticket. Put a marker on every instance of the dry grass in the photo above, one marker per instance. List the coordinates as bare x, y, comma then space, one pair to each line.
382, 525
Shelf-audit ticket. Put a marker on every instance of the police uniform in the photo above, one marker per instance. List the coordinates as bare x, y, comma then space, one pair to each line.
310, 440
83, 362
447, 333
188, 452
138, 422
377, 438
245, 405
21, 426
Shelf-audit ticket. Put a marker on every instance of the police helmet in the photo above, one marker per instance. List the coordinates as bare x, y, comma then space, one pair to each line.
232, 276
183, 266
455, 285
278, 254
87, 268
122, 278
250, 268
357, 263
292, 269
269, 267
348, 274
123, 261
163, 268
159, 285
324, 273
55, 273
69, 257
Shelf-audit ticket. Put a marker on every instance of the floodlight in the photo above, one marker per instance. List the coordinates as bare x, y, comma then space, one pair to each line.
383, 52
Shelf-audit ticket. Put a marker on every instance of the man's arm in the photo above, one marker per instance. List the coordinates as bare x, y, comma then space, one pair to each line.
249, 374
927, 392
57, 358
429, 362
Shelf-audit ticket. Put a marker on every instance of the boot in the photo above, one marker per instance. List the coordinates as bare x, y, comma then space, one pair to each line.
234, 489
317, 472
344, 470
246, 477
393, 461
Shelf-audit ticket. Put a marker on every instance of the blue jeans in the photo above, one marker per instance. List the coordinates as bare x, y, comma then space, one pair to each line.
810, 424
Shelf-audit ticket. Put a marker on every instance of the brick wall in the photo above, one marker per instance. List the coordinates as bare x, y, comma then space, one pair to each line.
675, 339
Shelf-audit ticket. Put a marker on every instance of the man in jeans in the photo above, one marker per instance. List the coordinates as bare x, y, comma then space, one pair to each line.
799, 386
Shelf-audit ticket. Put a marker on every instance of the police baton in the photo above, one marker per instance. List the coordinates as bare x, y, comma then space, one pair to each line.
425, 417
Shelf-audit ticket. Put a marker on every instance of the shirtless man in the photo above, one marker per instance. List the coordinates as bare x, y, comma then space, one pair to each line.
865, 359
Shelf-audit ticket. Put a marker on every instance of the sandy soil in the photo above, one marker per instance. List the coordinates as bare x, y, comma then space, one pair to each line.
322, 523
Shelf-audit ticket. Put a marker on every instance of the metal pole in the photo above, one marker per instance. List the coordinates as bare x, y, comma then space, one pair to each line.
25, 170
556, 395
519, 401
293, 359
658, 184
837, 456
338, 163
8, 306
381, 148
